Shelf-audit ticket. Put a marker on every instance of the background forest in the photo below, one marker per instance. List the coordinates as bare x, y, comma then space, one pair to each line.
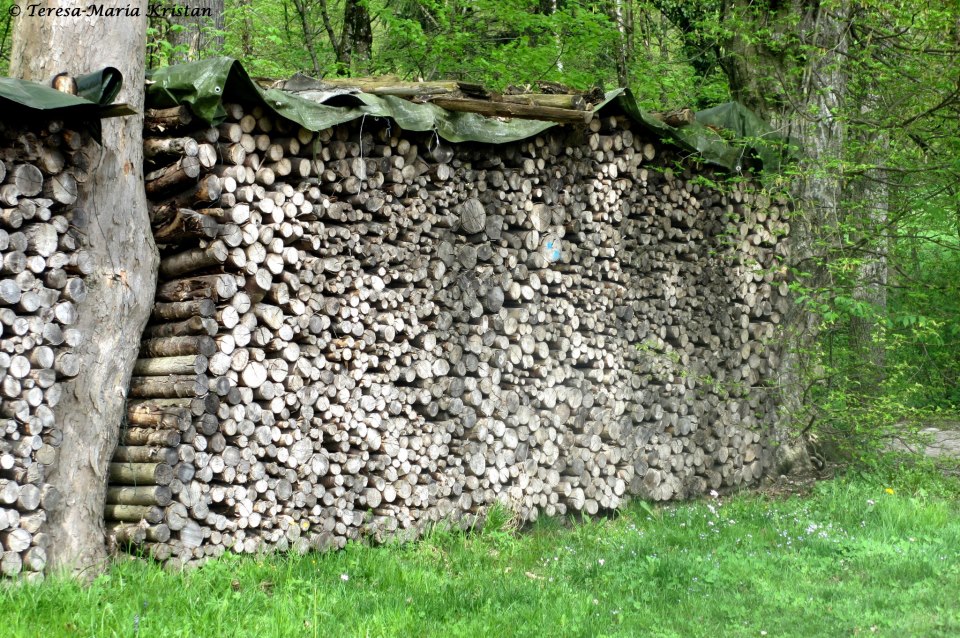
869, 91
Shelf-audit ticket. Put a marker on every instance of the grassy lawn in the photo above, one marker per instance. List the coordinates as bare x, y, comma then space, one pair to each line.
857, 556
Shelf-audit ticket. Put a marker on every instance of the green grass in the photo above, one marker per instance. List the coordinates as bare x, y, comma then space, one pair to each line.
850, 559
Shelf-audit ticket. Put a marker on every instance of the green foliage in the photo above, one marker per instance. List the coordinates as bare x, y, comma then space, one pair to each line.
491, 42
871, 554
265, 35
6, 35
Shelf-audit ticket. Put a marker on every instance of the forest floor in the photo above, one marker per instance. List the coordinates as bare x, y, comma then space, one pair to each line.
873, 554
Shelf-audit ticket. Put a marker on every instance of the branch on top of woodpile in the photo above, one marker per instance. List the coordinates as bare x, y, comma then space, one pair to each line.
680, 117
561, 101
507, 109
386, 85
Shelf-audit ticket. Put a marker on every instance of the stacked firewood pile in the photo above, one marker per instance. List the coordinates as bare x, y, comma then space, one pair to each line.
360, 331
41, 279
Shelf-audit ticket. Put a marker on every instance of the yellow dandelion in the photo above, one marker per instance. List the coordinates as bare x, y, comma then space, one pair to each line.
889, 490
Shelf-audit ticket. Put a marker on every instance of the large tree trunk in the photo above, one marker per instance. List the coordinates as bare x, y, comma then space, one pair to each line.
804, 104
121, 288
197, 36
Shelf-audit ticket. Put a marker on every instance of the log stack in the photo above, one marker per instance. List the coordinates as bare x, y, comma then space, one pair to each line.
42, 269
363, 330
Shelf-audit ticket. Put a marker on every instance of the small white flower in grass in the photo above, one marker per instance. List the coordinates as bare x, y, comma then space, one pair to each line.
714, 494
601, 561
344, 577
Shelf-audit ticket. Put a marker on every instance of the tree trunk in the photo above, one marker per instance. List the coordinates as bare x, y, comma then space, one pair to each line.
121, 287
197, 36
803, 103
309, 35
246, 32
356, 40
868, 200
622, 14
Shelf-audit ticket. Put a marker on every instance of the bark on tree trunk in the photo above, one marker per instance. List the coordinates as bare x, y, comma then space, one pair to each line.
200, 34
803, 104
356, 41
121, 288
622, 15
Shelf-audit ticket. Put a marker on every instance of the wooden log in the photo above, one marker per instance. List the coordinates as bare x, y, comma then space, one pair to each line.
41, 239
150, 414
193, 260
27, 179
159, 495
167, 120
132, 513
16, 540
145, 454
472, 216
134, 437
681, 117
176, 176
191, 326
519, 111
207, 155
197, 406
178, 346
35, 560
215, 287
125, 534
168, 387
393, 86
559, 101
179, 310
176, 225
9, 292
140, 474
162, 366
61, 188
207, 190
10, 563
157, 147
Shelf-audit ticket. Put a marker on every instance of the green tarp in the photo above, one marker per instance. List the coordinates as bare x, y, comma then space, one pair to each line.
205, 85
95, 94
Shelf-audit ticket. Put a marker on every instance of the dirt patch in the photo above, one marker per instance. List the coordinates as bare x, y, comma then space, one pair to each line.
796, 483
